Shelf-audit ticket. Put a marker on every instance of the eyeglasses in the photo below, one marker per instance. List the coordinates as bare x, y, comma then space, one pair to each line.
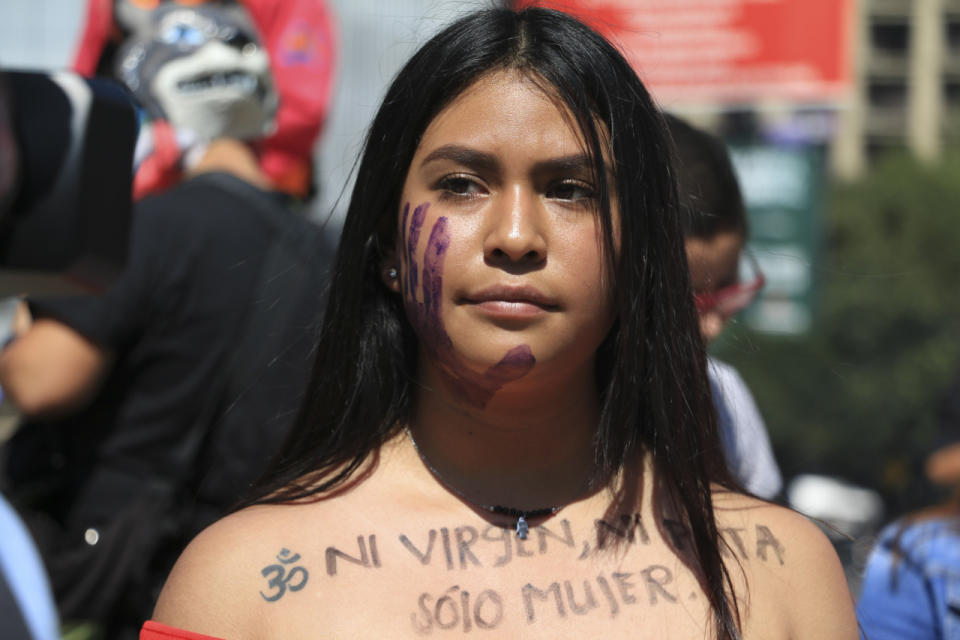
735, 297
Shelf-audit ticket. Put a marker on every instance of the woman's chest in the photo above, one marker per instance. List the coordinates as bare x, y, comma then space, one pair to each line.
475, 580
540, 604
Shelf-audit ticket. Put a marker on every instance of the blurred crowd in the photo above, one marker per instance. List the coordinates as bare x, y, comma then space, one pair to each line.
149, 406
145, 408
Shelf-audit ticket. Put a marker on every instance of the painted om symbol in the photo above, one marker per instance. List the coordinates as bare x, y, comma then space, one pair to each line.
281, 580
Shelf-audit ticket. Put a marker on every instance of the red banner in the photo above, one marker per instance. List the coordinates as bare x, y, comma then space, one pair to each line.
691, 52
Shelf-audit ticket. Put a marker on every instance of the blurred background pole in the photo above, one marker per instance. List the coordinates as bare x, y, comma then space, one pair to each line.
847, 153
925, 95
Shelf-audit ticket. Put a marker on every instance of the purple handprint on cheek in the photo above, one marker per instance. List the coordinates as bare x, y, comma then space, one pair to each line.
425, 314
475, 388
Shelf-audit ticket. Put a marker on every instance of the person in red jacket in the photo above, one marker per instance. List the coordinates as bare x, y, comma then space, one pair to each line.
300, 40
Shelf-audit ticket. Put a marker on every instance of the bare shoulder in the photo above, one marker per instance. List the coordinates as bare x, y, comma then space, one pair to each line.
216, 586
793, 573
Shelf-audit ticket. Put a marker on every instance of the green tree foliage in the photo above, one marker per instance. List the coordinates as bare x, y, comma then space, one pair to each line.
857, 397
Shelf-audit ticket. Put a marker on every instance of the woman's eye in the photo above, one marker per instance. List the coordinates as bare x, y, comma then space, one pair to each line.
571, 190
459, 186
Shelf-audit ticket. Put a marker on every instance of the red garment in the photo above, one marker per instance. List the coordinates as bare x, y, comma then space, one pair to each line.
161, 169
300, 39
155, 631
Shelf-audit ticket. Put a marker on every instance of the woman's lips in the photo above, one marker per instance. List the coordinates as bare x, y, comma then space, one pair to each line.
511, 309
511, 302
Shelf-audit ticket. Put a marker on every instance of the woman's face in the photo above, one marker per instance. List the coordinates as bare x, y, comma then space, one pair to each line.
499, 245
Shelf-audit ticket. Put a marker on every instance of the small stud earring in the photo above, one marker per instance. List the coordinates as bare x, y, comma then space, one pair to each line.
392, 273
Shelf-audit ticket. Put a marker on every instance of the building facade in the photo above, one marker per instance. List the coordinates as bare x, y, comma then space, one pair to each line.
906, 83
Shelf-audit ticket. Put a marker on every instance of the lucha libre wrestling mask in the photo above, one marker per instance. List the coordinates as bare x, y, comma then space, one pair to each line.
201, 68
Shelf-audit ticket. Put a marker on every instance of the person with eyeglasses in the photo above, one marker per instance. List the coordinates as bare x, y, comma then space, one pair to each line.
725, 279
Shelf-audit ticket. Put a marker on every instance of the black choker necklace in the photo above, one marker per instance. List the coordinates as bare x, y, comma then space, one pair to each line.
520, 514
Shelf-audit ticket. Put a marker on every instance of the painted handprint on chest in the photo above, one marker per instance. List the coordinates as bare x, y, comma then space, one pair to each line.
422, 289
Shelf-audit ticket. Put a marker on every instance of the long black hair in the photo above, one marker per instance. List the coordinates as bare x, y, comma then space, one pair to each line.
651, 368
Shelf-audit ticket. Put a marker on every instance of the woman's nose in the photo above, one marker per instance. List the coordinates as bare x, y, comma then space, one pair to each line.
515, 228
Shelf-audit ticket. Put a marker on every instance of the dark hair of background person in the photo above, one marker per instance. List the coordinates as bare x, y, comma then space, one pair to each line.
651, 369
710, 197
9, 154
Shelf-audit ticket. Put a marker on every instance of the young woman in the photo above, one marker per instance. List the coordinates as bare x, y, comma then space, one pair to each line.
510, 431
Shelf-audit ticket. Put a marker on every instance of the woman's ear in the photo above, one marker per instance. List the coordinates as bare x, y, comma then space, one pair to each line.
390, 272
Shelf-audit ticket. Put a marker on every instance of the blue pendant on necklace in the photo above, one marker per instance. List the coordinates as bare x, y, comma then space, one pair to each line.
522, 528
